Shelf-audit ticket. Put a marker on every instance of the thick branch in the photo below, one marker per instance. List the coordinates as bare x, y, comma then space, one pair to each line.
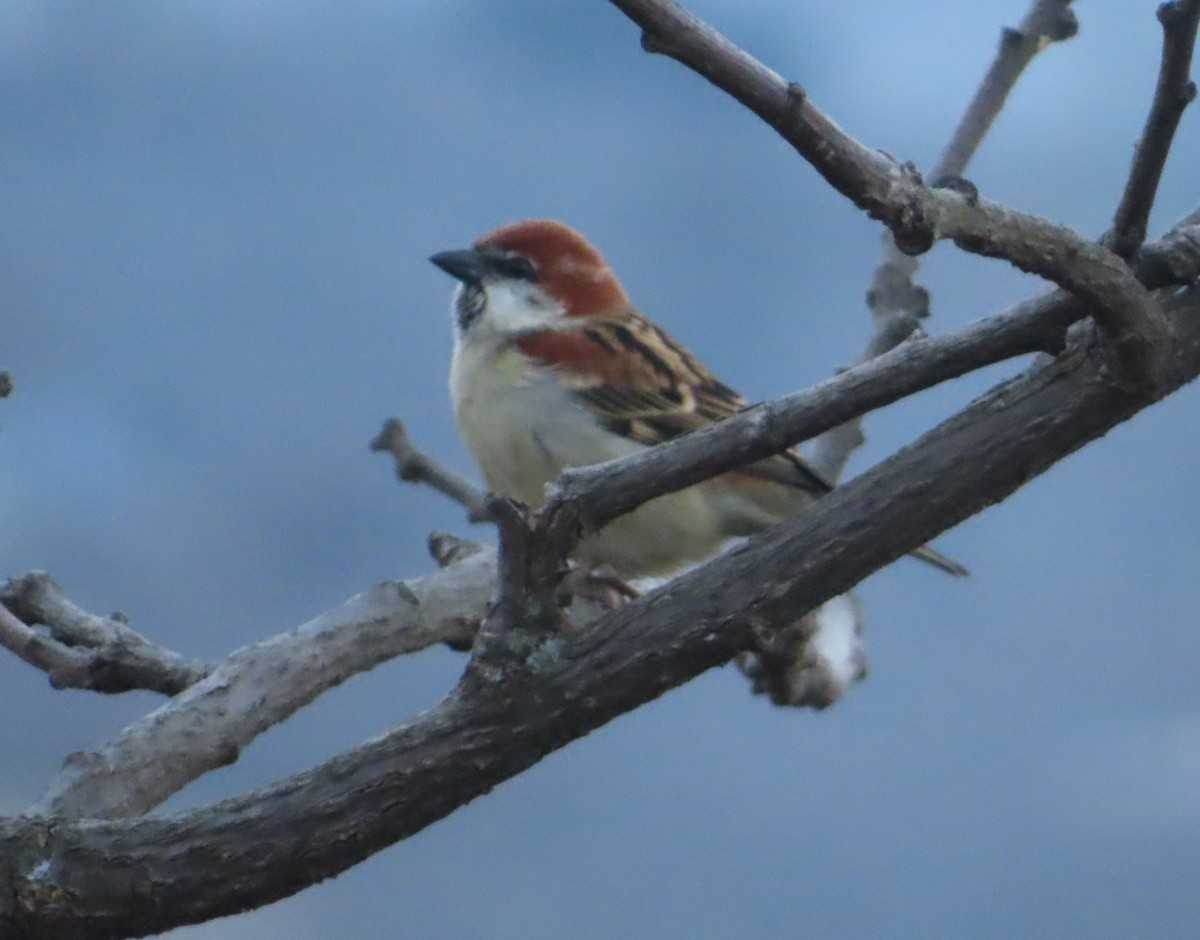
1173, 93
105, 879
916, 214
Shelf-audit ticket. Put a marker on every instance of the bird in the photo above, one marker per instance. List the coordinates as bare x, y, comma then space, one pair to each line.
554, 367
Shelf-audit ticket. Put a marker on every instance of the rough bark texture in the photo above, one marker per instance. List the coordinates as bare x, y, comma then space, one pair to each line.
530, 688
108, 879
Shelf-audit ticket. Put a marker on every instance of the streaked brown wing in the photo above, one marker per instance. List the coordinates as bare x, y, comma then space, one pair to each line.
642, 384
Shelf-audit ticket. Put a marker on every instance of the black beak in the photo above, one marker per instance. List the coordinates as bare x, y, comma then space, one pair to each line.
465, 265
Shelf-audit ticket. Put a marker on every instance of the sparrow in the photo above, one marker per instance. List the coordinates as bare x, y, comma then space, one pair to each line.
554, 367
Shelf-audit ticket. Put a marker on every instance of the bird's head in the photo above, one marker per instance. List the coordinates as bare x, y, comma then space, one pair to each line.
531, 275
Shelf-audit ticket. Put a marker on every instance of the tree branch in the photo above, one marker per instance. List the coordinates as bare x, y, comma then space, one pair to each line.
414, 466
61, 663
1046, 22
593, 496
916, 214
1175, 259
98, 879
598, 494
82, 650
104, 879
897, 303
258, 686
584, 499
1172, 94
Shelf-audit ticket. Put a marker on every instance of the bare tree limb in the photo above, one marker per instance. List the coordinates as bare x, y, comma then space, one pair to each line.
100, 879
413, 466
596, 495
527, 597
1029, 327
208, 724
1046, 22
917, 214
80, 650
1173, 93
897, 303
103, 878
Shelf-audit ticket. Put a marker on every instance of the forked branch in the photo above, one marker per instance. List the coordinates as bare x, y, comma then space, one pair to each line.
62, 880
898, 304
79, 650
917, 214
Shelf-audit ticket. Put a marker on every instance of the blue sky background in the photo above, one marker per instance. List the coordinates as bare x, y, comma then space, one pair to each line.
214, 288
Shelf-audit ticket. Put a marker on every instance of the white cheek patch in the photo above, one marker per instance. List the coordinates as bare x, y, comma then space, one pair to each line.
514, 306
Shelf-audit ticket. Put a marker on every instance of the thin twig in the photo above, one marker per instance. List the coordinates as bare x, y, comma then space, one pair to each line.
1045, 23
897, 303
80, 650
413, 466
1173, 93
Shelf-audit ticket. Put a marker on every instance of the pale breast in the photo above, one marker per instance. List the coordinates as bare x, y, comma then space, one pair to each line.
523, 429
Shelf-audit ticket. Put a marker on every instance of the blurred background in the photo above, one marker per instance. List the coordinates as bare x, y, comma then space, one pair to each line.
214, 288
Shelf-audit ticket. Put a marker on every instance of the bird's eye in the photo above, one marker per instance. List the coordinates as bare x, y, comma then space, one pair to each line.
518, 268
470, 304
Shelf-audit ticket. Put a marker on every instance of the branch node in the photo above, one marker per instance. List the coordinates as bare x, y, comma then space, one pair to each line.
913, 228
80, 650
1063, 26
964, 187
1010, 37
1170, 14
653, 44
1175, 259
1139, 356
515, 580
447, 549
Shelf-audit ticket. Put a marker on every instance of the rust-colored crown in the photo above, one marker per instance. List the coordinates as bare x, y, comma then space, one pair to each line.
568, 267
